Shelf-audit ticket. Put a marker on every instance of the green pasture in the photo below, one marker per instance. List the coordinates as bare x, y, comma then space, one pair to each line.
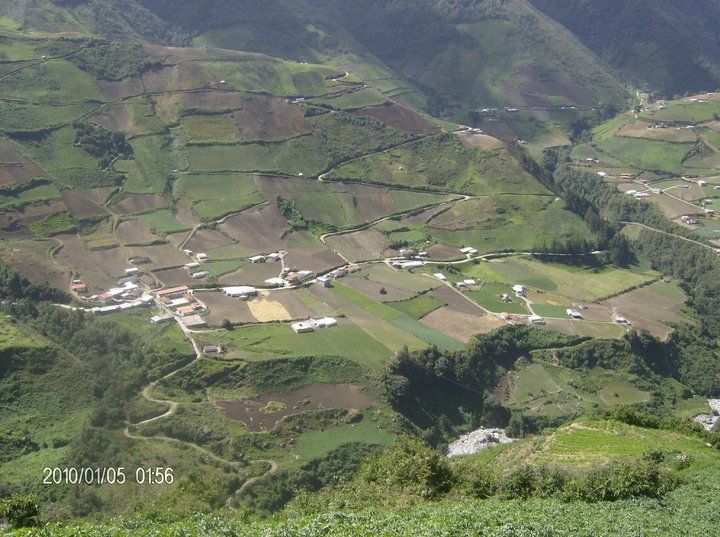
163, 222
315, 444
219, 158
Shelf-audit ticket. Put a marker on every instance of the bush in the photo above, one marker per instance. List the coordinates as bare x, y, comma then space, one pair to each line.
21, 511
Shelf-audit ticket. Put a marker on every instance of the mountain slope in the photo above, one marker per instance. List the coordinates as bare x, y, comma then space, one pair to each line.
672, 44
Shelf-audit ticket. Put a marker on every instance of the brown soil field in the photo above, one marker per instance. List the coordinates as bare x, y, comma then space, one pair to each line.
114, 91
673, 208
443, 252
30, 259
81, 206
176, 239
400, 117
221, 307
15, 168
558, 325
116, 118
360, 245
11, 228
99, 195
135, 232
184, 76
77, 259
647, 309
170, 106
185, 216
459, 325
483, 141
456, 300
315, 259
33, 213
205, 240
139, 203
372, 289
161, 256
318, 396
251, 274
270, 119
639, 130
595, 312
538, 83
113, 261
175, 276
260, 229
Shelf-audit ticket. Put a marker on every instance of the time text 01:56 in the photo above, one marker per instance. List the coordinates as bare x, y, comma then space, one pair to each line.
158, 475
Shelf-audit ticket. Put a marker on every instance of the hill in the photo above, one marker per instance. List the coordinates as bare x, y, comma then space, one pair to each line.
670, 45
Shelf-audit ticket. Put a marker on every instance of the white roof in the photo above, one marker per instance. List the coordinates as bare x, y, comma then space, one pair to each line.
573, 313
470, 282
440, 276
194, 264
276, 281
411, 264
133, 270
179, 302
324, 321
517, 287
536, 318
239, 290
468, 250
256, 257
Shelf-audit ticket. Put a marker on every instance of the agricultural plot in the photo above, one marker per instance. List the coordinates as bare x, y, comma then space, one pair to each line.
24, 116
318, 259
174, 276
580, 283
112, 261
19, 198
489, 298
52, 81
647, 154
213, 196
171, 106
210, 128
160, 255
262, 413
479, 141
207, 240
400, 117
442, 163
101, 236
75, 257
314, 444
270, 119
155, 161
163, 222
354, 100
417, 307
341, 204
260, 229
138, 204
267, 76
30, 258
251, 274
654, 307
80, 206
279, 340
359, 245
640, 129
229, 158
131, 232
459, 325
14, 167
183, 76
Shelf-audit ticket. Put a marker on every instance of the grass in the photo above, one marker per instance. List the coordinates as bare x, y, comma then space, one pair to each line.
354, 100
219, 268
163, 222
315, 444
53, 225
442, 163
213, 196
42, 193
618, 392
279, 340
210, 128
219, 158
24, 116
155, 161
647, 154
416, 307
489, 298
51, 81
263, 76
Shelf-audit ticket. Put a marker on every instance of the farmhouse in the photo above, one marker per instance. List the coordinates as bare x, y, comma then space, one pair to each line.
575, 314
201, 257
440, 276
257, 259
172, 292
192, 265
469, 281
468, 250
200, 275
519, 290
324, 281
324, 322
302, 327
243, 291
410, 264
275, 282
131, 271
79, 287
536, 319
212, 349
621, 320
185, 310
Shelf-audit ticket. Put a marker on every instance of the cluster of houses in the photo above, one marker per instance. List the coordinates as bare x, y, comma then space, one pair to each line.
180, 301
311, 324
127, 295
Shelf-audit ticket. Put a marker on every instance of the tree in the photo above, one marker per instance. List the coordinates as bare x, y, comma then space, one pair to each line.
21, 511
226, 324
620, 251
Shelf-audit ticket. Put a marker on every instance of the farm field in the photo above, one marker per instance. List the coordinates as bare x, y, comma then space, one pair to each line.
279, 340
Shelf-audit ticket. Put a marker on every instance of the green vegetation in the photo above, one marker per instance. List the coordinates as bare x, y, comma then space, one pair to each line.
108, 60
54, 225
417, 307
214, 196
163, 222
29, 194
442, 163
315, 444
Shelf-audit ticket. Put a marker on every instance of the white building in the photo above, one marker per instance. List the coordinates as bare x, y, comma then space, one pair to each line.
302, 327
536, 319
440, 276
519, 290
575, 314
240, 291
